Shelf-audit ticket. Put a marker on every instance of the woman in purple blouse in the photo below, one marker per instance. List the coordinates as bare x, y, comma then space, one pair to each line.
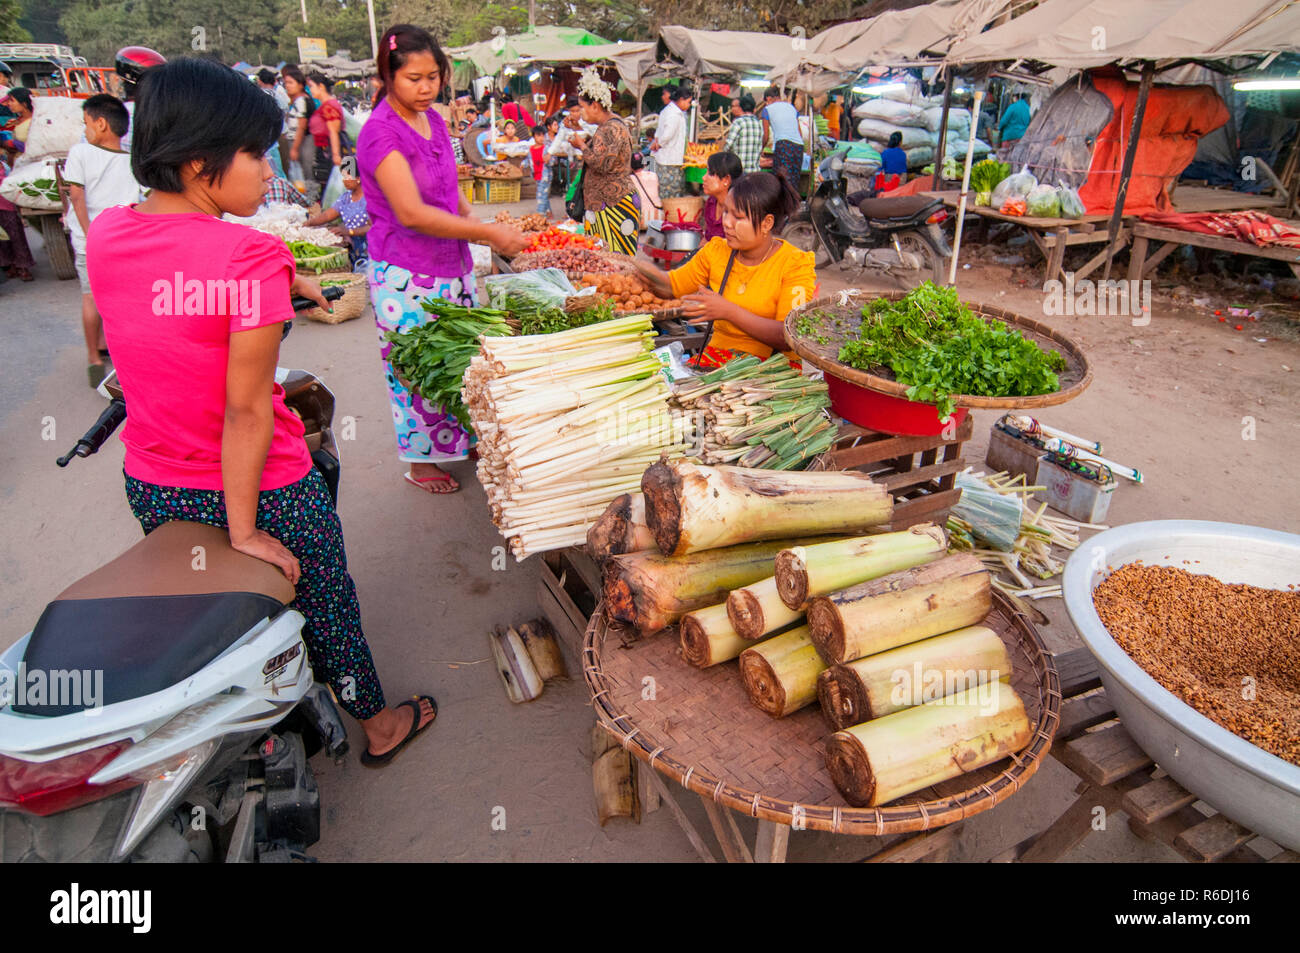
420, 231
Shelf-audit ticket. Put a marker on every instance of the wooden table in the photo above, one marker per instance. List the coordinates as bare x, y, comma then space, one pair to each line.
1142, 265
1116, 775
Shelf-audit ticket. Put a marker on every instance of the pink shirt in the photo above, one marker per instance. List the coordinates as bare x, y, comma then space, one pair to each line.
172, 289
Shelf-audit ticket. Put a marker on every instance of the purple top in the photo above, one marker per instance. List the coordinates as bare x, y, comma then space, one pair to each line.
433, 164
713, 219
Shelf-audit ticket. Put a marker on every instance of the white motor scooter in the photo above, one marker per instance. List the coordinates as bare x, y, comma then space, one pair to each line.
163, 708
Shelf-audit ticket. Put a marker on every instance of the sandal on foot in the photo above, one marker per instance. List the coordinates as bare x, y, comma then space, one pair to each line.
379, 760
427, 483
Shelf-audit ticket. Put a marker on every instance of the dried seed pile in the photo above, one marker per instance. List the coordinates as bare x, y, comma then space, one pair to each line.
1202, 639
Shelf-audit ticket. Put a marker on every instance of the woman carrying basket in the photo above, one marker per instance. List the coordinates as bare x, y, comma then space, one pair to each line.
613, 207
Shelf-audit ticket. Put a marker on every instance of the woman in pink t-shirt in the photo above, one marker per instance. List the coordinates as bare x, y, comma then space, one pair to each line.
192, 309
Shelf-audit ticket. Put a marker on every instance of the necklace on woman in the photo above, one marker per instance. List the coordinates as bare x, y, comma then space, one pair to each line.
773, 245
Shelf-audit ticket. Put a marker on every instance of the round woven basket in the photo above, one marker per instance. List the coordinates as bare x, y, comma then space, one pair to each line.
356, 295
1074, 380
698, 727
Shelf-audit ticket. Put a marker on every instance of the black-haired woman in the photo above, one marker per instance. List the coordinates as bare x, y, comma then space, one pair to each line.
326, 127
747, 281
302, 147
613, 204
421, 226
192, 308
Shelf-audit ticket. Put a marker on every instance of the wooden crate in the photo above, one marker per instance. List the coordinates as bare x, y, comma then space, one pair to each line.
567, 592
921, 472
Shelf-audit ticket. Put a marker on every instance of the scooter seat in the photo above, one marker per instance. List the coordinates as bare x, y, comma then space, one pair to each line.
150, 618
902, 207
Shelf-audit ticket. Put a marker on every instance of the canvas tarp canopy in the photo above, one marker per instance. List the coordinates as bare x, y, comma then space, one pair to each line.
1093, 33
340, 67
543, 44
839, 54
713, 52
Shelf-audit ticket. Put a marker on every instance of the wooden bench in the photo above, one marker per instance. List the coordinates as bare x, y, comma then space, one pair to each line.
1144, 258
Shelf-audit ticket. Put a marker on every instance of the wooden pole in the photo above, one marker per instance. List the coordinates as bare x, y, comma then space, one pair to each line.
1126, 171
965, 185
941, 151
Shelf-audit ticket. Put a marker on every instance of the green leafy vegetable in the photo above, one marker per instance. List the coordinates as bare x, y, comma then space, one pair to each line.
433, 357
937, 347
985, 175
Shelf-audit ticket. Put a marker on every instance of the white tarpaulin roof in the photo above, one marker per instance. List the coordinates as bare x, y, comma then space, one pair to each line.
1093, 33
837, 55
709, 52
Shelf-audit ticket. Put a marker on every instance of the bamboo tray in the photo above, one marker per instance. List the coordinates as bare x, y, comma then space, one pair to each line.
1074, 379
701, 730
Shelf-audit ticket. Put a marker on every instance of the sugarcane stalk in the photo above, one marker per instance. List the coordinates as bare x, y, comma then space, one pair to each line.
757, 610
881, 684
650, 591
780, 673
899, 608
817, 570
691, 508
882, 760
620, 529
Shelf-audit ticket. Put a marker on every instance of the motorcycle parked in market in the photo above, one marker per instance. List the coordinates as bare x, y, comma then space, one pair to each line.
898, 236
163, 708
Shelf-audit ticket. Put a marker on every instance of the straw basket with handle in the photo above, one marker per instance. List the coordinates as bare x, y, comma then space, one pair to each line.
355, 297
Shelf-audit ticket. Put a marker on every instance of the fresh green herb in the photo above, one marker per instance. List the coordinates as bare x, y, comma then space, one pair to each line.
985, 176
433, 357
937, 347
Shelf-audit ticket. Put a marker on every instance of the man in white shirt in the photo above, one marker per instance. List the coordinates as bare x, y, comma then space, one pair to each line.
669, 144
98, 174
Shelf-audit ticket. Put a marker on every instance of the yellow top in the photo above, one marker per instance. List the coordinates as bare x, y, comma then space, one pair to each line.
769, 290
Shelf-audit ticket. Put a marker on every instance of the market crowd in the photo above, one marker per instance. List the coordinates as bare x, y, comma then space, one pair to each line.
209, 437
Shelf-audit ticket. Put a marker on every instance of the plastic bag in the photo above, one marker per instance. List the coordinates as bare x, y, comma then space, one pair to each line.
1044, 202
1017, 185
994, 517
1071, 205
295, 171
1015, 205
333, 188
548, 287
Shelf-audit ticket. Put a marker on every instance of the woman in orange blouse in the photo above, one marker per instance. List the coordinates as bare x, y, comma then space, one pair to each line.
747, 281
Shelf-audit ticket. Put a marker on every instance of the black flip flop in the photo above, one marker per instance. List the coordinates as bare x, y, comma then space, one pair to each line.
379, 760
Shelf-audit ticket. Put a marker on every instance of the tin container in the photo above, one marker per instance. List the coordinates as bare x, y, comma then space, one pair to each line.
1073, 493
1012, 455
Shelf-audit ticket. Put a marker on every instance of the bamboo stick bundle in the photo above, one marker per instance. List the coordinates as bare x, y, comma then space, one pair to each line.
708, 639
620, 529
566, 422
882, 760
780, 674
757, 610
691, 508
899, 608
810, 571
651, 591
910, 675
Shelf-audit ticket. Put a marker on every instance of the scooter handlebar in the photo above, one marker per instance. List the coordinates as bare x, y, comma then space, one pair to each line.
99, 432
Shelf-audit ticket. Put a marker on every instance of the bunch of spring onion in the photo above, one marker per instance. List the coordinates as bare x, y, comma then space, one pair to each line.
567, 422
1032, 553
758, 413
432, 357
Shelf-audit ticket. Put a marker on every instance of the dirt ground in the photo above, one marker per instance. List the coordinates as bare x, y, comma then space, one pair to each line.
1175, 399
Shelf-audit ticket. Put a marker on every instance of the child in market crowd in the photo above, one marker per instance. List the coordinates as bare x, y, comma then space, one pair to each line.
509, 132
893, 161
350, 209
98, 174
541, 170
210, 438
723, 169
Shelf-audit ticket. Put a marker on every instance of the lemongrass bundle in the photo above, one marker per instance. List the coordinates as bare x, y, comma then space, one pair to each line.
566, 423
758, 414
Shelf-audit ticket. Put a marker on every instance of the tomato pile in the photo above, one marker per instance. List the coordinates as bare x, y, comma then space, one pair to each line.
554, 239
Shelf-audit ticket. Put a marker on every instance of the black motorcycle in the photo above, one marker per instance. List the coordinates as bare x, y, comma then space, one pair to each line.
898, 236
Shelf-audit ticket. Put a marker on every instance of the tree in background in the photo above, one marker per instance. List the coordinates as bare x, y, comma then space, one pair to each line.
11, 31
